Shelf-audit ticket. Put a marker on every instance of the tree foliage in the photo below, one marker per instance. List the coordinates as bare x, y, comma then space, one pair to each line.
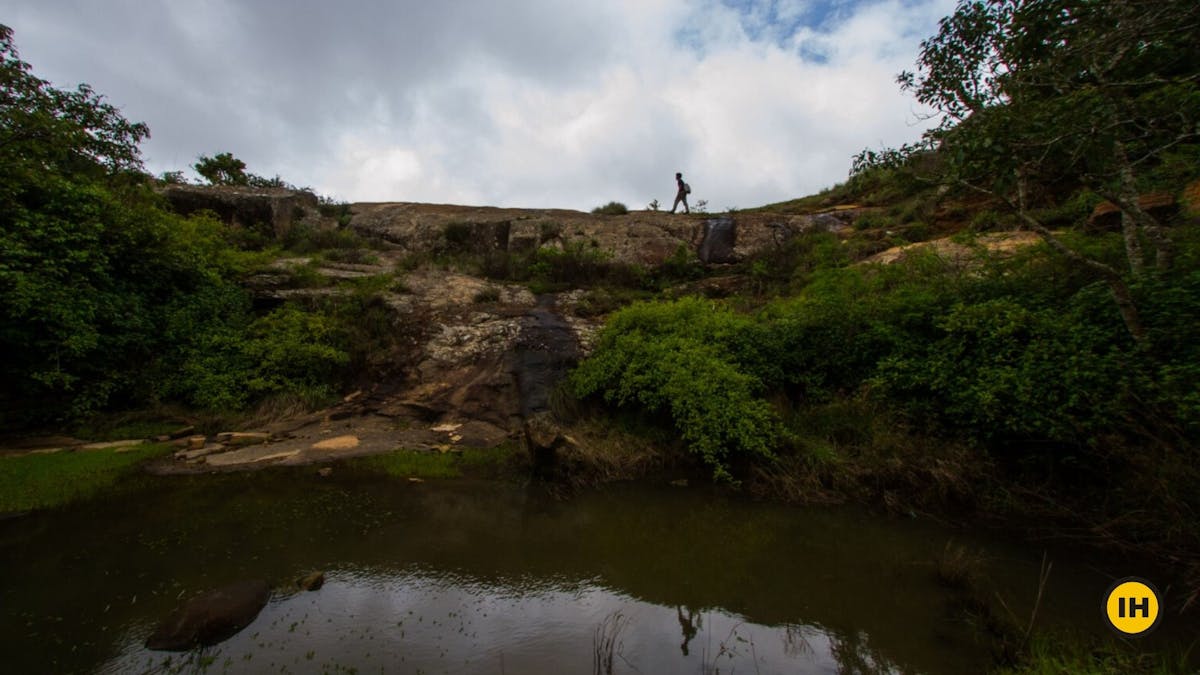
222, 169
1103, 93
225, 169
108, 297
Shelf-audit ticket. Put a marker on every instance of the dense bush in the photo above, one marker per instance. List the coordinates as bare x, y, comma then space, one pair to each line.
573, 265
234, 363
694, 361
1021, 356
611, 209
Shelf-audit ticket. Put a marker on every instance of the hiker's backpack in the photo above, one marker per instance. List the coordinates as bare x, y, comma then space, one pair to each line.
687, 189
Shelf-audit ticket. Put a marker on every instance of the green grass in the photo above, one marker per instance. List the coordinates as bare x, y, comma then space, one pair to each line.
1065, 655
29, 482
404, 463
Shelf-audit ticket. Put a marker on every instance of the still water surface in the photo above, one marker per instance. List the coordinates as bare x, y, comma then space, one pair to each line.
477, 577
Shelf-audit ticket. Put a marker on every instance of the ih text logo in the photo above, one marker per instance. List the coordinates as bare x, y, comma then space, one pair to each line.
1132, 606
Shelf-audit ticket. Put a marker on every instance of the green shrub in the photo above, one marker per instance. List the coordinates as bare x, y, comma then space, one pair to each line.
1003, 370
305, 238
331, 208
611, 209
1071, 212
790, 265
681, 266
682, 359
550, 269
228, 366
986, 220
917, 231
873, 221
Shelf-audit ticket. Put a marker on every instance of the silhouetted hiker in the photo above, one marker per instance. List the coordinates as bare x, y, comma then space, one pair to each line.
681, 195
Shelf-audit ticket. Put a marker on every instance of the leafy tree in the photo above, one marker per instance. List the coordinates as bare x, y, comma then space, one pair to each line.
44, 130
69, 244
110, 299
223, 169
1035, 92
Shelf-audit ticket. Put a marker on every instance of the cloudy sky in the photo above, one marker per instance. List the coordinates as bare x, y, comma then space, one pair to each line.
540, 103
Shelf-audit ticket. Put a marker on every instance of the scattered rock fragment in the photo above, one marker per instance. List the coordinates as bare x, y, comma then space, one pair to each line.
240, 438
188, 455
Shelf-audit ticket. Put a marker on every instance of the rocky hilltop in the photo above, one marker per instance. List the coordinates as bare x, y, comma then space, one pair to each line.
477, 356
639, 237
480, 357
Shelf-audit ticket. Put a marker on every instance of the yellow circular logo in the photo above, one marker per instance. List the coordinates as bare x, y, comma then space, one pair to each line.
1131, 606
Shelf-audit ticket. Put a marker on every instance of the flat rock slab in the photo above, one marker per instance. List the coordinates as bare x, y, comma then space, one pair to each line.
337, 443
479, 434
249, 455
323, 440
243, 437
112, 445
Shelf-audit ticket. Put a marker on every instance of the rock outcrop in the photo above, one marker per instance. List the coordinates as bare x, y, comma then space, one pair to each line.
476, 361
270, 211
640, 237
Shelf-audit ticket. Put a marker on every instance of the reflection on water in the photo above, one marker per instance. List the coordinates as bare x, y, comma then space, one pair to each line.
421, 620
490, 578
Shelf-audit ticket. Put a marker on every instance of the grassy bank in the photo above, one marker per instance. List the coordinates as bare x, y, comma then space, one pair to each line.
1069, 655
39, 481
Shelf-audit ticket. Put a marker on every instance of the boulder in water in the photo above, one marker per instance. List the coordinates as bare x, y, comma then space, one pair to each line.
213, 617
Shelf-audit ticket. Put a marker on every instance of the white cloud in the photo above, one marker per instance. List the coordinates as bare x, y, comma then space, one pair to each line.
532, 103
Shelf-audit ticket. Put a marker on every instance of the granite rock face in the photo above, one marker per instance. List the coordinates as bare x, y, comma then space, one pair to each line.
640, 237
270, 211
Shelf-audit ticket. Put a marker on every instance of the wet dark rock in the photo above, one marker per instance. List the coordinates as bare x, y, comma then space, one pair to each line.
211, 618
545, 351
720, 237
542, 433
